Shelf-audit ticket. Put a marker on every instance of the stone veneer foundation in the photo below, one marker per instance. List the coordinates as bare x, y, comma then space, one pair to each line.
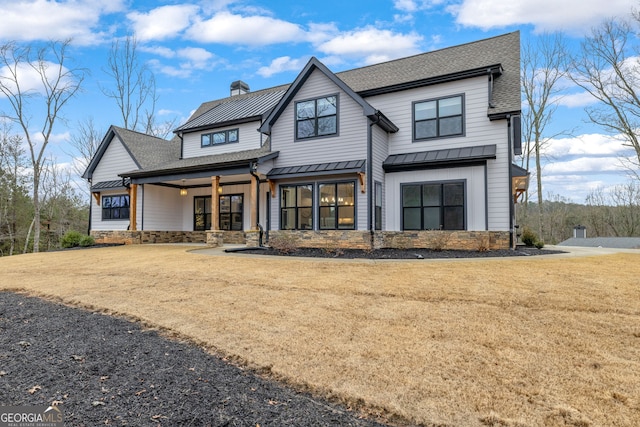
333, 239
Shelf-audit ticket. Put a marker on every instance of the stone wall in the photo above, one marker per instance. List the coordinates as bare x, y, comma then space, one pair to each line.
440, 240
138, 237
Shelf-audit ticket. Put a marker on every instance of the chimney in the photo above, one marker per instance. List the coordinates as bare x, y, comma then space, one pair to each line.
239, 88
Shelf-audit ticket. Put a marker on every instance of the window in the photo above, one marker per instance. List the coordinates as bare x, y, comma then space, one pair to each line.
202, 213
115, 207
231, 212
378, 206
317, 117
296, 207
337, 206
222, 137
438, 118
433, 206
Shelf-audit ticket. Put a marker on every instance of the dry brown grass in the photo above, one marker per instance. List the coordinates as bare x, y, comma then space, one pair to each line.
488, 342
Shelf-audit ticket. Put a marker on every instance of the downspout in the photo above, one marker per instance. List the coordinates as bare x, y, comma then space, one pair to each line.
90, 209
253, 166
370, 201
511, 200
181, 145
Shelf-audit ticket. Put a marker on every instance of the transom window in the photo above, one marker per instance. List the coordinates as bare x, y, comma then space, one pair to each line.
221, 137
317, 117
296, 207
438, 118
433, 206
115, 207
337, 206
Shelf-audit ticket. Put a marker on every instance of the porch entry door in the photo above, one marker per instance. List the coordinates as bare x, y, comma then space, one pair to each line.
231, 212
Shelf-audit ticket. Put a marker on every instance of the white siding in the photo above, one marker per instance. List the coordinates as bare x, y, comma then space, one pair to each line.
379, 154
474, 193
479, 130
349, 144
248, 139
162, 209
115, 160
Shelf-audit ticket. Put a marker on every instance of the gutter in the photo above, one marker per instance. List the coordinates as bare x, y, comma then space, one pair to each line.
253, 166
370, 211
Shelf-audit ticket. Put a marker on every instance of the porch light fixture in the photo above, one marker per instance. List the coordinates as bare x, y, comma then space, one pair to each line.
183, 191
219, 189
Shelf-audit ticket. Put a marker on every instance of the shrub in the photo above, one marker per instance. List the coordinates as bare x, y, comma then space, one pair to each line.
71, 239
539, 244
284, 243
87, 241
529, 238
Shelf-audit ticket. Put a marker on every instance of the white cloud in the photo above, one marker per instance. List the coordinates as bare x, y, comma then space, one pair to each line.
372, 45
585, 145
198, 58
55, 20
190, 59
405, 5
162, 22
279, 65
574, 100
578, 16
227, 28
584, 165
30, 79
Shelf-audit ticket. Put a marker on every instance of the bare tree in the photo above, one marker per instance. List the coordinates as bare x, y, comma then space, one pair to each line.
56, 85
608, 67
84, 144
543, 67
134, 84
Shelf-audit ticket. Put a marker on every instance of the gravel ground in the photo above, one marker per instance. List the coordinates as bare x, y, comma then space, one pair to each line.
105, 370
400, 253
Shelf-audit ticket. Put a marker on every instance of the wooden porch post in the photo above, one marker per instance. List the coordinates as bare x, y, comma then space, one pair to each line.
133, 202
215, 203
254, 205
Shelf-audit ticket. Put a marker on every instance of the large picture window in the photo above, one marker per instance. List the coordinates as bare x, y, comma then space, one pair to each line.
337, 206
115, 207
433, 206
296, 207
438, 118
317, 117
231, 212
221, 137
202, 213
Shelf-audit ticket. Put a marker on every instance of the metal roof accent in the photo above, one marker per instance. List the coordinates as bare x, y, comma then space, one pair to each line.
235, 110
437, 158
518, 171
110, 185
333, 168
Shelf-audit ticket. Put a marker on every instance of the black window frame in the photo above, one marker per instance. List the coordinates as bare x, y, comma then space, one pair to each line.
439, 118
338, 207
231, 212
442, 206
316, 117
226, 133
115, 213
204, 216
296, 208
377, 203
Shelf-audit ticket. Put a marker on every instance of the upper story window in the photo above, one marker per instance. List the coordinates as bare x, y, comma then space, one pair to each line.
437, 118
317, 117
221, 137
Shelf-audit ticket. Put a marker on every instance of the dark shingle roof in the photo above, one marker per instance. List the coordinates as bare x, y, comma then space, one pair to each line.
447, 156
203, 162
501, 50
148, 151
604, 242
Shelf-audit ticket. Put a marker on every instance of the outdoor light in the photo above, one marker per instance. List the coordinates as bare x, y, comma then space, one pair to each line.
183, 191
220, 190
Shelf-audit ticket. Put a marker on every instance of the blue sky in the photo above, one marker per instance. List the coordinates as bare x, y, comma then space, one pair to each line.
196, 49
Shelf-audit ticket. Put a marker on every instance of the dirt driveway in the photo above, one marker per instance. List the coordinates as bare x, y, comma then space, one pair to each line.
519, 341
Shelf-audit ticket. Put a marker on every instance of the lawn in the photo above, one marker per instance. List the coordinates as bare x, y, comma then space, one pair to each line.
522, 341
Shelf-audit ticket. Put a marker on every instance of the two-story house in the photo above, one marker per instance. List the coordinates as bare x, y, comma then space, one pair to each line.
414, 152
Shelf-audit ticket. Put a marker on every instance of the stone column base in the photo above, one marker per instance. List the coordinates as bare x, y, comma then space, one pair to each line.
215, 238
